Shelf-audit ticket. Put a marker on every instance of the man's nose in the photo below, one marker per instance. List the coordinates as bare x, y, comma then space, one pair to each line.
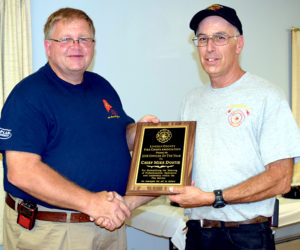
210, 44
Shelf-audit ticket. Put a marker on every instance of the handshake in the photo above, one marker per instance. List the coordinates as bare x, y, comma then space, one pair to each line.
109, 209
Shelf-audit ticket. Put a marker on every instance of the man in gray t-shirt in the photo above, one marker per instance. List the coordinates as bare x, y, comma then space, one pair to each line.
246, 140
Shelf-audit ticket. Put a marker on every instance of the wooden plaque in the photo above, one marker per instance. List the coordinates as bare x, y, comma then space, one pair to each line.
162, 157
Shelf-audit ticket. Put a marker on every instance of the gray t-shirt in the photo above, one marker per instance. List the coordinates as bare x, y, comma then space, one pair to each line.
240, 129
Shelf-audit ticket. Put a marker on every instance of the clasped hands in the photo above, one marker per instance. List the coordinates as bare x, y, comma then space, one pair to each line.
112, 211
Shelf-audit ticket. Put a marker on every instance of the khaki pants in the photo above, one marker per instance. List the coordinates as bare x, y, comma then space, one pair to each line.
48, 235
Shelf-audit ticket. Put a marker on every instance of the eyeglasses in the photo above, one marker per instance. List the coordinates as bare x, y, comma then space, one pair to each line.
217, 39
68, 42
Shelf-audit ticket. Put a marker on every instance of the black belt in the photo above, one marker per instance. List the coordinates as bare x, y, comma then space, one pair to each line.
53, 216
218, 224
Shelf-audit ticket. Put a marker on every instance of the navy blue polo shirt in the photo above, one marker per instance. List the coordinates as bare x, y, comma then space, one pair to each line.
78, 130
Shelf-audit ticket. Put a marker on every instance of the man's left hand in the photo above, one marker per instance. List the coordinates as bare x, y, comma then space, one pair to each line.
190, 196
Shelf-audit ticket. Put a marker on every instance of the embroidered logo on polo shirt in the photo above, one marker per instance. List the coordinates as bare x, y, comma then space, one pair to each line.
5, 133
237, 114
112, 113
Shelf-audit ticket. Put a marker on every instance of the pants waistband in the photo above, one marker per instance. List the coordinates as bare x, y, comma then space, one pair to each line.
52, 216
219, 224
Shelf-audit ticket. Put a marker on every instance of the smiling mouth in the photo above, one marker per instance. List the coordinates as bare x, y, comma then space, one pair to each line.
212, 59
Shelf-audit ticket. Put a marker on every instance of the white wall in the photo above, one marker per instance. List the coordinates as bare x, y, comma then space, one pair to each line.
144, 46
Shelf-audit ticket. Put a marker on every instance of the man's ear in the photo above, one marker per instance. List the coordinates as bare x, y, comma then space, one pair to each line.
240, 44
47, 45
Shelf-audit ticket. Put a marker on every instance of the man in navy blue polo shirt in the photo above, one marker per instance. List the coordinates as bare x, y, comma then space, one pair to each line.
65, 140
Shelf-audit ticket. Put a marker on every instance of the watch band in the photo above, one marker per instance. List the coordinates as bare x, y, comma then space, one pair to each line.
219, 200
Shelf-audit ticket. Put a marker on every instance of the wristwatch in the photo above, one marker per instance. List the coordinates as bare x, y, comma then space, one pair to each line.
219, 200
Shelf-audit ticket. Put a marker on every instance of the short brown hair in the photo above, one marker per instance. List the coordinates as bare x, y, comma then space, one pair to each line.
68, 14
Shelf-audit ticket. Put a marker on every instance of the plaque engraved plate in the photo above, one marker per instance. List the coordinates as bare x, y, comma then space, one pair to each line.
162, 157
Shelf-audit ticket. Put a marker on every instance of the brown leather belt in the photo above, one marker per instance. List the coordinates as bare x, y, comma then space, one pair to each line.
218, 224
53, 216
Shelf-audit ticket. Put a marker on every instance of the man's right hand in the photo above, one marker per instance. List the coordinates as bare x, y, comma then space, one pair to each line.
109, 210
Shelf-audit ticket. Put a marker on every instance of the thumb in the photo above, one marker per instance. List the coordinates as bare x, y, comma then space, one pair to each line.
175, 190
110, 196
119, 197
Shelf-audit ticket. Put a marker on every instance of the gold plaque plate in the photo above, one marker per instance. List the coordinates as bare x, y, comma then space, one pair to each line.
162, 157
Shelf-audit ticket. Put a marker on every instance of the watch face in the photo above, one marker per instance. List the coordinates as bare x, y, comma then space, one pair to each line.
219, 201
219, 204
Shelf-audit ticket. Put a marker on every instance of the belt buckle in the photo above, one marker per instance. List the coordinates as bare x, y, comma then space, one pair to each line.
201, 223
205, 225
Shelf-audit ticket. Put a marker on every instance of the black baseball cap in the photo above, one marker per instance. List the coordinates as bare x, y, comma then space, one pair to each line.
225, 12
